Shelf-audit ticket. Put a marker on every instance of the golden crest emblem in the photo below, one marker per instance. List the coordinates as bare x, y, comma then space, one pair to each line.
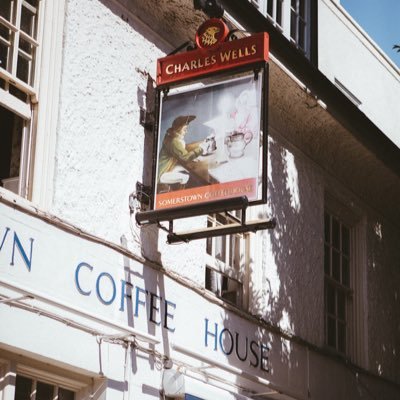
208, 38
211, 33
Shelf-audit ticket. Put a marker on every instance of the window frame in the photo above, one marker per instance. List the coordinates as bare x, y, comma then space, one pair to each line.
284, 24
295, 36
40, 112
10, 369
9, 75
224, 271
357, 336
336, 284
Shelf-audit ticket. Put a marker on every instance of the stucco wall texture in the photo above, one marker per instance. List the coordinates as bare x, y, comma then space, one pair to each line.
102, 151
100, 142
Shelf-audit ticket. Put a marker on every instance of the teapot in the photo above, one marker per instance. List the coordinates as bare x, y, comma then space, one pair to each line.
236, 144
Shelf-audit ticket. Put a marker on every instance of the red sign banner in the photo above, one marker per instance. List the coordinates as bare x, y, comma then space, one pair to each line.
243, 187
207, 60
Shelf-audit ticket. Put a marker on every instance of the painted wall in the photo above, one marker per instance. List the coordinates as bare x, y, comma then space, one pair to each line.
108, 74
346, 53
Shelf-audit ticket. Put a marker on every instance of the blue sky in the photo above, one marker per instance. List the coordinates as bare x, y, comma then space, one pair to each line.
380, 19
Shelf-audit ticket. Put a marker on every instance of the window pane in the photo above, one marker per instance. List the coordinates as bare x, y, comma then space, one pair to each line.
279, 12
220, 248
327, 260
18, 93
330, 300
327, 226
345, 240
331, 332
345, 271
293, 30
10, 145
335, 233
23, 388
211, 280
28, 22
234, 256
26, 46
231, 290
341, 305
44, 391
341, 337
302, 34
3, 55
4, 32
336, 265
270, 8
23, 69
5, 9
64, 394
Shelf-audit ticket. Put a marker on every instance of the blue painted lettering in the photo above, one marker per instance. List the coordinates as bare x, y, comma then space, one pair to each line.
225, 341
255, 353
17, 243
134, 299
154, 308
207, 333
241, 358
167, 315
78, 285
4, 237
138, 301
98, 287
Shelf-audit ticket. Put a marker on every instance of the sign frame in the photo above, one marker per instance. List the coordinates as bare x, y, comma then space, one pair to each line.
247, 56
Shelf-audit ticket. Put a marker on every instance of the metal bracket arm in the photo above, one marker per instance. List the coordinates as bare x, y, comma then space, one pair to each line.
218, 206
230, 229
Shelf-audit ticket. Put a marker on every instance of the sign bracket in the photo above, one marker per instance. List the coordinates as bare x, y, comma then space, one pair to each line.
218, 206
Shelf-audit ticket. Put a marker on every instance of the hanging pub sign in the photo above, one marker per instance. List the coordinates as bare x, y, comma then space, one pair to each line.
212, 120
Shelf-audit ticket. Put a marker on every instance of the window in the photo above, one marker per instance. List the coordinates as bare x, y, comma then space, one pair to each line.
298, 23
338, 293
292, 17
226, 269
24, 382
19, 31
345, 269
28, 388
271, 8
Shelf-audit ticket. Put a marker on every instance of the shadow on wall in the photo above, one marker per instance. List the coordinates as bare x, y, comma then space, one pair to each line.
288, 299
147, 236
384, 299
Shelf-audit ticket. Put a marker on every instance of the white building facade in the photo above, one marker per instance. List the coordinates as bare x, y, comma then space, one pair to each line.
94, 306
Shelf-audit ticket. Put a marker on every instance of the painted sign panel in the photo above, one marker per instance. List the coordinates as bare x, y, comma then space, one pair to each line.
212, 120
209, 141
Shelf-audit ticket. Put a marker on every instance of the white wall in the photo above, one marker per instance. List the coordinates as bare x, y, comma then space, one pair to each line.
102, 150
346, 53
